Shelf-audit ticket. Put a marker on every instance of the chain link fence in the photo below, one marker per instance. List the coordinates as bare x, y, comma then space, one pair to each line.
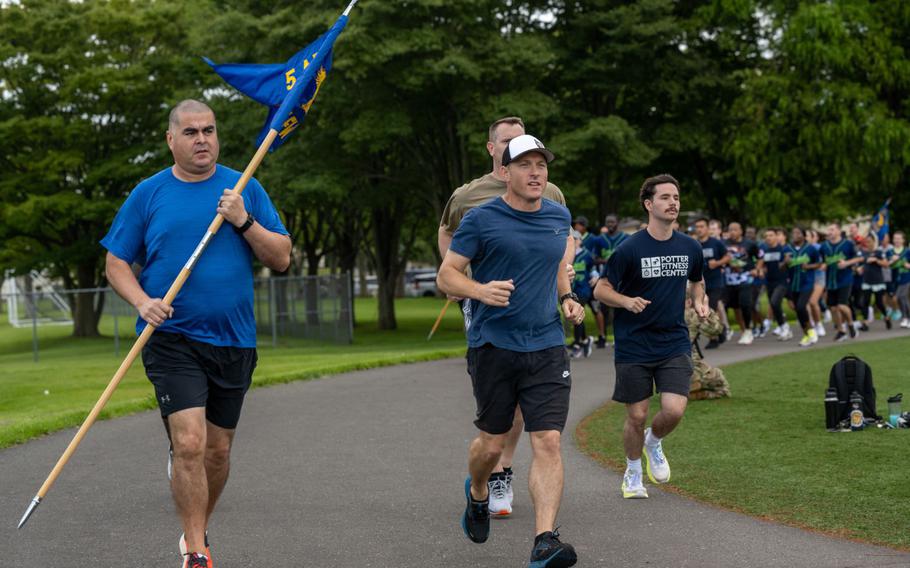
305, 307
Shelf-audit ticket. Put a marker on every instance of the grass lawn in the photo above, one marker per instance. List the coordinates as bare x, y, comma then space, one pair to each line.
765, 451
59, 390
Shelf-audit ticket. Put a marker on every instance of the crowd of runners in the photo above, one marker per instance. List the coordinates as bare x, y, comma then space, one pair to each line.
838, 282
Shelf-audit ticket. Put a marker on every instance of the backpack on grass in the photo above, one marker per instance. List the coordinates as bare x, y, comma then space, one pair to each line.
848, 375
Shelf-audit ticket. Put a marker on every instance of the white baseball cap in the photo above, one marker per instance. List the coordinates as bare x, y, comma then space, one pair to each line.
521, 145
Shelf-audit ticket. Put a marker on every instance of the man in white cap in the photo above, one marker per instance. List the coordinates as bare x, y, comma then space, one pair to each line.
515, 246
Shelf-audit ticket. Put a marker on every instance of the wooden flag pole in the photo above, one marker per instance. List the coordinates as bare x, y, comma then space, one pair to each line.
439, 319
147, 332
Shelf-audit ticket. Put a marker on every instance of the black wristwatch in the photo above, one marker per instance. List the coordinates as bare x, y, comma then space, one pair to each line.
569, 296
246, 226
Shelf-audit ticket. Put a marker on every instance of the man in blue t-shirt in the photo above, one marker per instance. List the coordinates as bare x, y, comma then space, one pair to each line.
771, 264
202, 355
586, 274
716, 258
802, 260
595, 245
612, 238
516, 355
646, 277
839, 256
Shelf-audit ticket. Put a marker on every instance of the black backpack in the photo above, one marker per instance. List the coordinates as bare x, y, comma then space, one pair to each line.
848, 375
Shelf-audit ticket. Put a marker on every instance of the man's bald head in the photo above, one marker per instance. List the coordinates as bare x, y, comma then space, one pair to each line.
186, 106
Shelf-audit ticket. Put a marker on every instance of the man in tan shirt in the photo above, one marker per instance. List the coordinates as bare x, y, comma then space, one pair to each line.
463, 199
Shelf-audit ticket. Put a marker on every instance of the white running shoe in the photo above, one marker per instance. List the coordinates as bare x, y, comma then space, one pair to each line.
747, 338
500, 504
730, 334
820, 329
905, 323
656, 463
632, 487
183, 551
777, 331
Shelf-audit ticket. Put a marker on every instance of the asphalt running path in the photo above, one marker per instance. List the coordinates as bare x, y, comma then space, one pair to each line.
366, 470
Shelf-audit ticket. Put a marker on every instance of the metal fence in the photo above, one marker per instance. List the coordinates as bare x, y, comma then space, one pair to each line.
307, 307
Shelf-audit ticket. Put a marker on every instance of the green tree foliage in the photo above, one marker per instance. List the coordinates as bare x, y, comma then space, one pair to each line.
85, 87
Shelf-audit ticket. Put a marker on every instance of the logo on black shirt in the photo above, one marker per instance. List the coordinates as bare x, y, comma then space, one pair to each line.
663, 266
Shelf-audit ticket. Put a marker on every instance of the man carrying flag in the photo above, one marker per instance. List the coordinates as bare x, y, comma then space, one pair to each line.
201, 358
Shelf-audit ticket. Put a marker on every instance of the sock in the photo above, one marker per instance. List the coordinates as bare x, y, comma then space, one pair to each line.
633, 465
651, 439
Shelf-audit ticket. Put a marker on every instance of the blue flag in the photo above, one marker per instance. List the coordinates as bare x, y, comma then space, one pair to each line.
881, 221
288, 89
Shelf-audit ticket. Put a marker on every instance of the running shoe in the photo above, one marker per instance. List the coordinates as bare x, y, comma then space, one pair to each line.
632, 486
785, 335
656, 463
840, 337
509, 475
195, 560
863, 326
601, 342
905, 323
777, 331
500, 504
888, 323
765, 327
549, 552
820, 329
806, 341
713, 344
852, 330
730, 334
588, 346
208, 552
577, 352
747, 338
475, 522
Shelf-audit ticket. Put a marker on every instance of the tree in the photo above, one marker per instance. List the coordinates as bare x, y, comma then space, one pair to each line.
85, 92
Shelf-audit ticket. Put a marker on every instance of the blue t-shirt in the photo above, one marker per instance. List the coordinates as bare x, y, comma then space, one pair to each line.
656, 271
713, 249
801, 279
595, 244
584, 271
610, 245
159, 226
838, 278
526, 247
775, 272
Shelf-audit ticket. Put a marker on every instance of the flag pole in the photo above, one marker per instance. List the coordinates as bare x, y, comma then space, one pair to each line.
146, 333
439, 319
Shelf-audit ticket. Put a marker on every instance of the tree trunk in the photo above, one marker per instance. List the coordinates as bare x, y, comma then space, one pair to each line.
86, 310
387, 239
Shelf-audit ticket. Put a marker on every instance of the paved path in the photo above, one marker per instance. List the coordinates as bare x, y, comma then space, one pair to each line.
365, 470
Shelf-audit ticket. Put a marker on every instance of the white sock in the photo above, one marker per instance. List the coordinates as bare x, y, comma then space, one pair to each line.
633, 465
651, 439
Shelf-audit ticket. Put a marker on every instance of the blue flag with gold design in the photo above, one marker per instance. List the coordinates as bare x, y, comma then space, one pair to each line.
287, 89
881, 221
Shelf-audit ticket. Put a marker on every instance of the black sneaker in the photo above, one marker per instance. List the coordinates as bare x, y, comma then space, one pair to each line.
475, 522
852, 331
713, 344
841, 336
601, 342
722, 338
550, 553
888, 323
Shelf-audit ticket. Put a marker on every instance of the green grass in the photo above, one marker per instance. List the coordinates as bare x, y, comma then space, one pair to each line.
74, 372
765, 451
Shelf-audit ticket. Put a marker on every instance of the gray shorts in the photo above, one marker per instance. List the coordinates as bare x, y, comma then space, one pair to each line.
636, 382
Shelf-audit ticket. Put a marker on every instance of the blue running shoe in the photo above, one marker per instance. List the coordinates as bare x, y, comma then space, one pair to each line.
475, 522
550, 553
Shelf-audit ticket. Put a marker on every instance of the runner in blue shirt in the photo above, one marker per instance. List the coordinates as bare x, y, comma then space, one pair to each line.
516, 345
586, 274
612, 238
803, 260
646, 278
901, 267
716, 258
202, 355
770, 263
596, 245
740, 274
840, 257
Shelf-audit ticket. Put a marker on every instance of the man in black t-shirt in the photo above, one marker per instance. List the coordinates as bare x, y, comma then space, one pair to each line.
646, 277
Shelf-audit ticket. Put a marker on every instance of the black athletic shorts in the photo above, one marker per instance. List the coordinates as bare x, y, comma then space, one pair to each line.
539, 382
738, 297
839, 297
715, 295
636, 382
192, 374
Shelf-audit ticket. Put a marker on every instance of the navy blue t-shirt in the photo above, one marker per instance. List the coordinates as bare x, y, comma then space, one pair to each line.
526, 247
801, 280
584, 272
838, 278
656, 271
159, 226
775, 271
595, 244
713, 249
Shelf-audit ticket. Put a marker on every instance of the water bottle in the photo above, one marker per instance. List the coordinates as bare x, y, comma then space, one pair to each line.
894, 408
856, 414
831, 409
